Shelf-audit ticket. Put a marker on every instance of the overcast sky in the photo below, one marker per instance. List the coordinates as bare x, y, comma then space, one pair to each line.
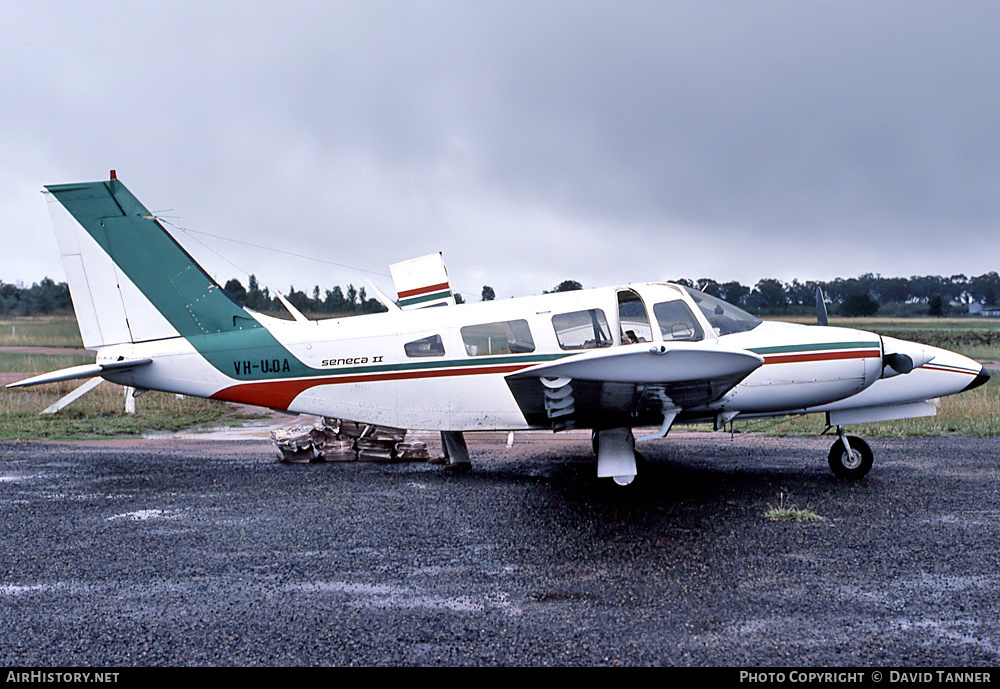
529, 142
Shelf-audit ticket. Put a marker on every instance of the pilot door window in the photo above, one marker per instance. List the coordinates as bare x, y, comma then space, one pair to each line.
632, 318
505, 337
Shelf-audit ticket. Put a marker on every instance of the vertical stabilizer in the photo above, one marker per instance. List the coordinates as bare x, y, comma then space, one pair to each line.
129, 279
422, 282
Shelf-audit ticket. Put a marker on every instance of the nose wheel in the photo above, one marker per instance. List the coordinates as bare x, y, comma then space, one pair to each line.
850, 457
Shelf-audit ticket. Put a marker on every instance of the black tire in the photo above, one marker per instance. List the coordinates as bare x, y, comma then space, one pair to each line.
640, 462
851, 467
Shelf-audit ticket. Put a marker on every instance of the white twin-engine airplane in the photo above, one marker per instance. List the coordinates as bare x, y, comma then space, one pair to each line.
611, 359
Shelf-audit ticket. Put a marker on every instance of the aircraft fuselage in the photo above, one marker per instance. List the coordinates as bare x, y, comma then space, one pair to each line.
446, 368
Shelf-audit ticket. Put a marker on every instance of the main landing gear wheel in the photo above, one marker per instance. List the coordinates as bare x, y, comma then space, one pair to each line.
630, 479
854, 464
616, 455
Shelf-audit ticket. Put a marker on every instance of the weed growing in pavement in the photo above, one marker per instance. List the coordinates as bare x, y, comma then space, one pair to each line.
786, 512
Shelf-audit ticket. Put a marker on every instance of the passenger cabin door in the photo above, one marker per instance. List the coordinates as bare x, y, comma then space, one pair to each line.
633, 321
672, 319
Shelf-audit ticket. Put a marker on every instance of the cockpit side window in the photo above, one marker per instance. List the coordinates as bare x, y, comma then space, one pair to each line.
582, 329
632, 318
677, 322
504, 337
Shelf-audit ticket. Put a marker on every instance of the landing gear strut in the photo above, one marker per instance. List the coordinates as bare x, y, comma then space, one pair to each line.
616, 455
850, 456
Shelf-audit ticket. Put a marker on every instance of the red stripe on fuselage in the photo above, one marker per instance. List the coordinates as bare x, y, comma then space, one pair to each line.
949, 369
279, 394
821, 356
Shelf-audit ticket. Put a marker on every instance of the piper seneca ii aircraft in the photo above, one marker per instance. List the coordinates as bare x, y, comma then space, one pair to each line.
610, 360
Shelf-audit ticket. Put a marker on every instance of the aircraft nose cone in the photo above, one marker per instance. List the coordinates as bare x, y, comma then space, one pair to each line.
978, 380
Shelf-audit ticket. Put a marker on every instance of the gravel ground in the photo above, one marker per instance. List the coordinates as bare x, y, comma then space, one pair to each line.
208, 552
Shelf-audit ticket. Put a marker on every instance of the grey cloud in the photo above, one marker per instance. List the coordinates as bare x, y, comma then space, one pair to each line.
527, 141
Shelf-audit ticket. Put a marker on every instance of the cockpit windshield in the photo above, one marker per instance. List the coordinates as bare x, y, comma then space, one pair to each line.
725, 318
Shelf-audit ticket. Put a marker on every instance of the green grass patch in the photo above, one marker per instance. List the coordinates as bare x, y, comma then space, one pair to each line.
976, 338
19, 362
787, 512
101, 412
103, 415
41, 331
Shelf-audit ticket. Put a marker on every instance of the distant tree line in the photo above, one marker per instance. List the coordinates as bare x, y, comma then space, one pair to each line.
336, 301
47, 296
860, 296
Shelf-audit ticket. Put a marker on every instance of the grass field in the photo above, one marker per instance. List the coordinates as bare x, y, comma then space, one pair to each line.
976, 338
100, 413
975, 413
41, 331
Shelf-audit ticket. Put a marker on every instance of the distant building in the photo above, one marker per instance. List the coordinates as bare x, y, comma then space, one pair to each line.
979, 309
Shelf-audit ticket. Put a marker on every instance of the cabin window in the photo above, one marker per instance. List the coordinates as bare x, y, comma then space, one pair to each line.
427, 346
505, 337
582, 329
676, 321
632, 318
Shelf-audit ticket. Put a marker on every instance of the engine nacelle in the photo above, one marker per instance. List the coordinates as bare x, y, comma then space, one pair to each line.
900, 356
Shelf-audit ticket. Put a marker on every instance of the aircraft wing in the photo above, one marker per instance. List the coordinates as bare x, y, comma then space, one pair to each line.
81, 372
631, 385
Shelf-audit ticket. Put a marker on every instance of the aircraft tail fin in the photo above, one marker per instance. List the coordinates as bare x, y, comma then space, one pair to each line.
129, 278
422, 282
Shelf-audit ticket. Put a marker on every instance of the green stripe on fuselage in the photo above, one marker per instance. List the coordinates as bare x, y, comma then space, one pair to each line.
814, 347
479, 361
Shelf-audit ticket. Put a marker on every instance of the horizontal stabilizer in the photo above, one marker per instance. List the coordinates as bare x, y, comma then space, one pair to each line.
81, 372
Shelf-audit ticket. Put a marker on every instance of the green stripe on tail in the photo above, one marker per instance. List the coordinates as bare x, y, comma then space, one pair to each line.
190, 300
